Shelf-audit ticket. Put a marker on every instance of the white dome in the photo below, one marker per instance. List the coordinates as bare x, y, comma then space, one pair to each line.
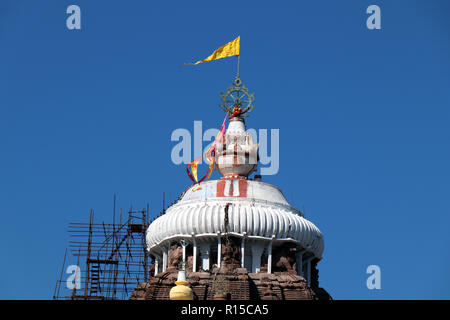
255, 209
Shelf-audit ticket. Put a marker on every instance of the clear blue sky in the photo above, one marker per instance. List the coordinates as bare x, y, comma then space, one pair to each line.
363, 118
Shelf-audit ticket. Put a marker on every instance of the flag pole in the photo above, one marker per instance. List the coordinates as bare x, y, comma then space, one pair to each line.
239, 57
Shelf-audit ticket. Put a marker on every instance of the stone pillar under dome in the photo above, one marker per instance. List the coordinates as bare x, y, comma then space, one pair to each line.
157, 264
243, 251
307, 275
219, 249
204, 252
167, 256
269, 258
299, 257
165, 260
257, 250
308, 272
194, 254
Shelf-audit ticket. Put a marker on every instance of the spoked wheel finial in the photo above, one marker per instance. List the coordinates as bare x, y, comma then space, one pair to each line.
237, 96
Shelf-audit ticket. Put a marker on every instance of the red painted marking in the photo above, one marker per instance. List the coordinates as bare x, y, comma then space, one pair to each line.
225, 188
243, 188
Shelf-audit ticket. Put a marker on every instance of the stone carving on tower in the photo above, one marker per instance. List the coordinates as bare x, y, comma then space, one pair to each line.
239, 229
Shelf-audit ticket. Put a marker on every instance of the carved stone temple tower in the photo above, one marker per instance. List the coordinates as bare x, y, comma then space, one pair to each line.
241, 239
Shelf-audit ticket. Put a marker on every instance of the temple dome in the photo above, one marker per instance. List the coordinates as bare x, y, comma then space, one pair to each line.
254, 212
236, 236
258, 211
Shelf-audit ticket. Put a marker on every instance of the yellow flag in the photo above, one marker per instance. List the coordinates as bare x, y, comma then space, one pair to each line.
227, 50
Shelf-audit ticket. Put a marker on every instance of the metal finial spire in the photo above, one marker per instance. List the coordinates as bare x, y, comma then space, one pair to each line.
237, 96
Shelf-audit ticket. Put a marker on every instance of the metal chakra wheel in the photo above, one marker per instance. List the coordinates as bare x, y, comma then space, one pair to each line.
237, 95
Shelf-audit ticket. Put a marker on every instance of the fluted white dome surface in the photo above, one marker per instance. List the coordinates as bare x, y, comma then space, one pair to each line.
255, 209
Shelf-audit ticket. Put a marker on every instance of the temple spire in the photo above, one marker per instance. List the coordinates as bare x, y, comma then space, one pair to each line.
236, 156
